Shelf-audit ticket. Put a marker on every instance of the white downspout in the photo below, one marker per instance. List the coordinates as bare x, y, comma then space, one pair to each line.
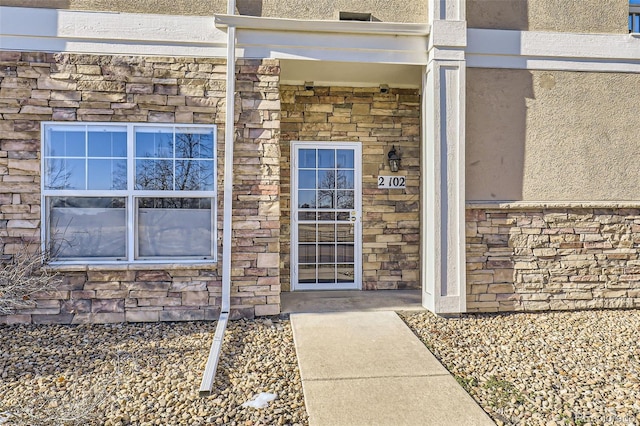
229, 135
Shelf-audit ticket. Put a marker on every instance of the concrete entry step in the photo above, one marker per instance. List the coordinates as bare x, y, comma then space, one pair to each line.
351, 300
368, 368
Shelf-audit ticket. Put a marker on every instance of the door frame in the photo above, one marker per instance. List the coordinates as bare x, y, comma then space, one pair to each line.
358, 263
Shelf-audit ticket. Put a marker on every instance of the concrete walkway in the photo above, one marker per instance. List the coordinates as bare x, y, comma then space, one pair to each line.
368, 368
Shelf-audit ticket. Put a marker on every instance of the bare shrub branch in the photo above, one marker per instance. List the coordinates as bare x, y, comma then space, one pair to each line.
23, 277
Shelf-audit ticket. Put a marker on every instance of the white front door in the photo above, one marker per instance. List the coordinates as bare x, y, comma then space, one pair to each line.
326, 202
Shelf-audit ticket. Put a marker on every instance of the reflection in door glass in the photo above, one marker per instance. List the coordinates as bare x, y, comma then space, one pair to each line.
307, 158
306, 199
345, 158
326, 158
326, 273
307, 274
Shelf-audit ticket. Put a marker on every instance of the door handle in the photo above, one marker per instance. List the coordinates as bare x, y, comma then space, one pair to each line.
353, 216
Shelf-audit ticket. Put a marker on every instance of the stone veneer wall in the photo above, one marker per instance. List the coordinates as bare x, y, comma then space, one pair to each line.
391, 221
36, 87
552, 257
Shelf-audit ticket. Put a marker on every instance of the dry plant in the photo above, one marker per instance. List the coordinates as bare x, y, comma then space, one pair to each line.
69, 403
24, 276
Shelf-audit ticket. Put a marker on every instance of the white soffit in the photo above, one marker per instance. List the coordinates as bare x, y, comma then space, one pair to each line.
355, 74
553, 51
338, 41
57, 30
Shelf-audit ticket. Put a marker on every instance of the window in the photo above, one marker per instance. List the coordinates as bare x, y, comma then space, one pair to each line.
129, 193
634, 16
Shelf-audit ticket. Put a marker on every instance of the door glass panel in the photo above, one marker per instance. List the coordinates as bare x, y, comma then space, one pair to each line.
306, 199
327, 216
344, 253
307, 253
326, 179
326, 253
307, 274
344, 233
306, 215
307, 179
326, 233
306, 233
326, 183
345, 179
326, 273
326, 158
345, 159
345, 199
346, 273
307, 158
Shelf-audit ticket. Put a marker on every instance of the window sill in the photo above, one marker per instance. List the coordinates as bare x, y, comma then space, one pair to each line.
131, 267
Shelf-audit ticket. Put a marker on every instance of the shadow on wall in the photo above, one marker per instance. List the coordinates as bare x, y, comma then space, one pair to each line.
506, 15
249, 7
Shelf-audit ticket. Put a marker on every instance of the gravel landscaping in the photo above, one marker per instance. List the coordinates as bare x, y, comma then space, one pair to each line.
147, 374
578, 368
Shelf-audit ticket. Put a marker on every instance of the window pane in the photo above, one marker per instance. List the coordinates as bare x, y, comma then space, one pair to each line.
61, 173
174, 227
345, 158
154, 143
87, 227
154, 175
107, 142
194, 175
66, 143
307, 158
107, 174
326, 158
194, 143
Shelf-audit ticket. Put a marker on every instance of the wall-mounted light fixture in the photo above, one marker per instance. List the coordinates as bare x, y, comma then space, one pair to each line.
308, 85
394, 159
384, 89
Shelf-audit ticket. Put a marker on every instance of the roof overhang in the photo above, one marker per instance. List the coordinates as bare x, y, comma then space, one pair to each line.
338, 41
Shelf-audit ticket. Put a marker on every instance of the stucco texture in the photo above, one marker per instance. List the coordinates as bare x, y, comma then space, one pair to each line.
584, 16
382, 10
552, 136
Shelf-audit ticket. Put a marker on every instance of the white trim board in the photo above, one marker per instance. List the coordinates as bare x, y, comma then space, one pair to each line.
54, 30
553, 51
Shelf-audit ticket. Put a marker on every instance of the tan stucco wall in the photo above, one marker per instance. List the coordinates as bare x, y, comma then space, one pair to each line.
382, 10
584, 16
552, 135
170, 7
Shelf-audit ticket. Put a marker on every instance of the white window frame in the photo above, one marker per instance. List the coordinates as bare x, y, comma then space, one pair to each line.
131, 195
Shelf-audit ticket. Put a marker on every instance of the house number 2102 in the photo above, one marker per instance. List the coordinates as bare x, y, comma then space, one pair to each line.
392, 182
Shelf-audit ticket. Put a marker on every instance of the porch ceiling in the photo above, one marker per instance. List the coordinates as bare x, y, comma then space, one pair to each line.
353, 74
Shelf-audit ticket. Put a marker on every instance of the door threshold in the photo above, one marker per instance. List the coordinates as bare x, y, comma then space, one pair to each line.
350, 300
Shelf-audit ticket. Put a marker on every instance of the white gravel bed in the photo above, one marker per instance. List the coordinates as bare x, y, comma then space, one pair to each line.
551, 368
147, 374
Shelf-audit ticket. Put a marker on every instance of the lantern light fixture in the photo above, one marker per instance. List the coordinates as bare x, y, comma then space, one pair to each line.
394, 159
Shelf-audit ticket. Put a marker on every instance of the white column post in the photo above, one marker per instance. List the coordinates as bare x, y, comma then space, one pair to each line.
443, 161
